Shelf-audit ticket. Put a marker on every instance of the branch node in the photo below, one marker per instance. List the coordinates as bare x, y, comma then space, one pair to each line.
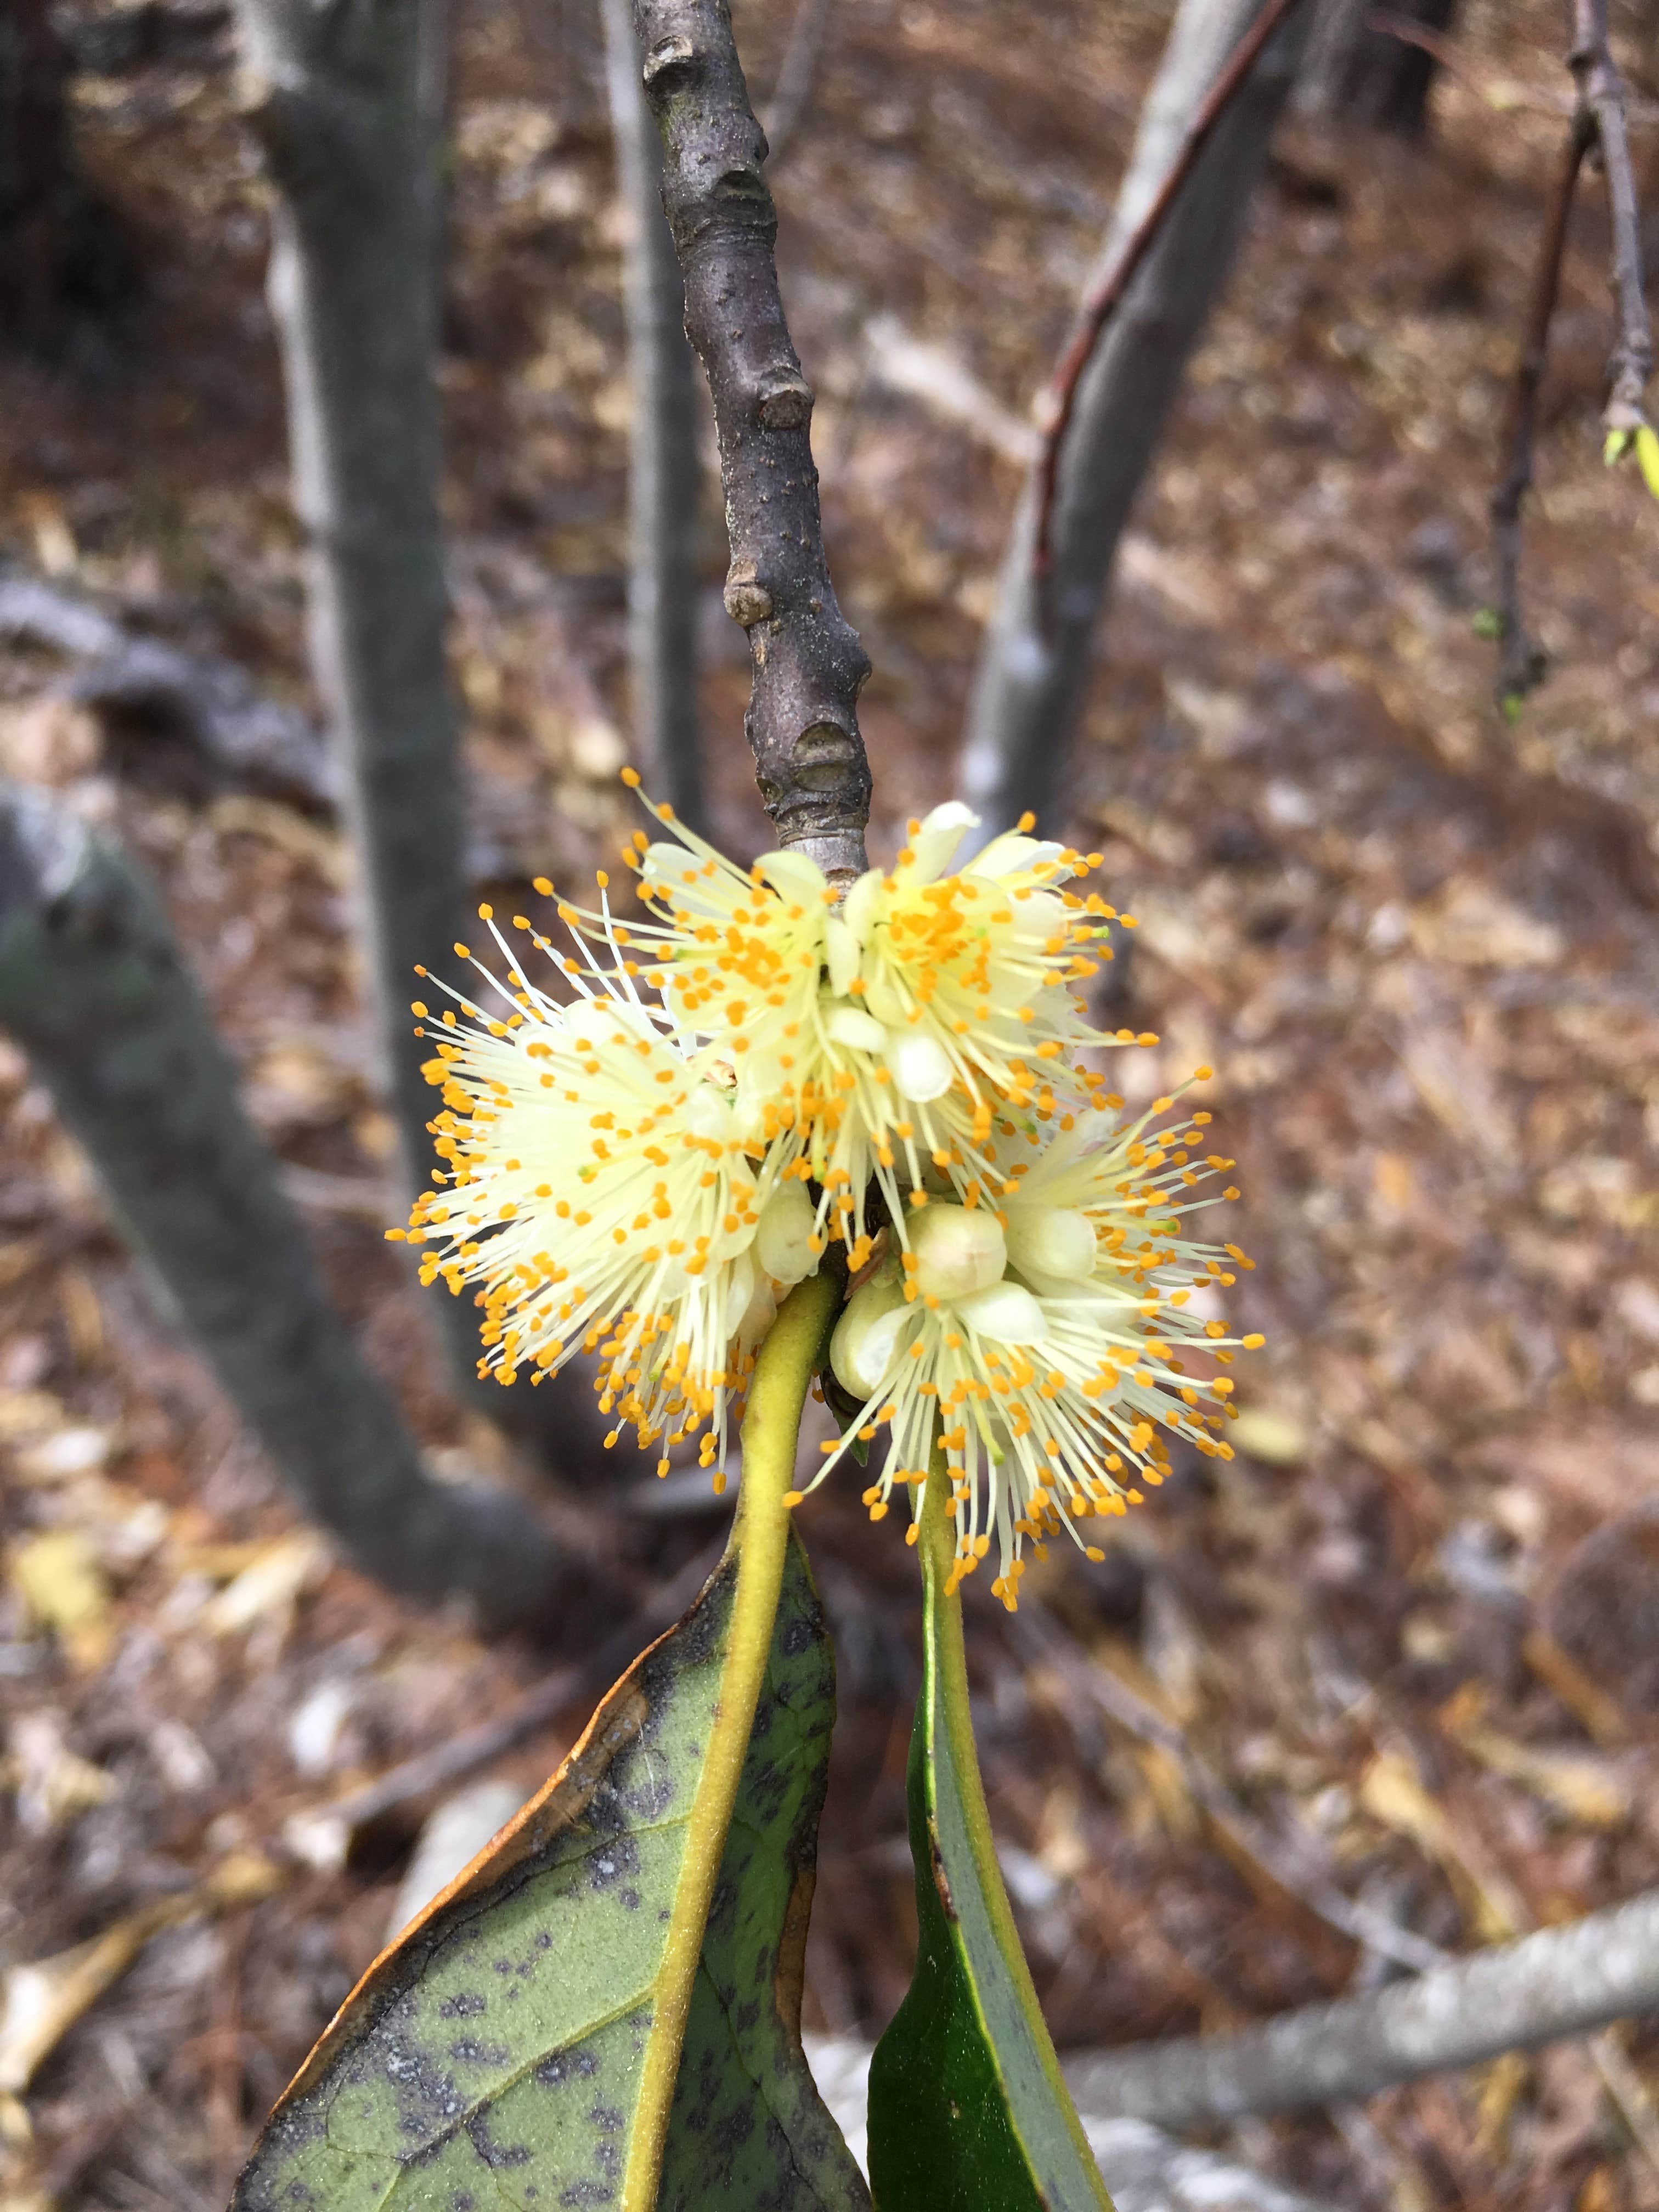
747, 599
786, 401
669, 62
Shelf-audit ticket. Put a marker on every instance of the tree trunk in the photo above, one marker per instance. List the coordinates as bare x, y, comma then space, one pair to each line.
61, 250
93, 987
344, 100
1365, 75
1038, 653
665, 478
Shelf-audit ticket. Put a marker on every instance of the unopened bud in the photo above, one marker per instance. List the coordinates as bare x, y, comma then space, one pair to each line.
783, 1241
921, 1067
1051, 1243
958, 1250
858, 1031
1006, 1313
868, 1334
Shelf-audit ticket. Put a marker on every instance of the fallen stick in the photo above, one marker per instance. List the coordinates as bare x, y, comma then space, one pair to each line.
1545, 1988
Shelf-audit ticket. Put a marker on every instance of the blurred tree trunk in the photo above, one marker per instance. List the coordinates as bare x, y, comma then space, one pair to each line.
61, 249
93, 987
344, 100
36, 168
664, 476
1367, 75
345, 97
1038, 653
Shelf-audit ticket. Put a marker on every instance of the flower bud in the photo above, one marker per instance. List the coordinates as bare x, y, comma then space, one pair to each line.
1051, 1243
921, 1068
783, 1241
860, 1032
958, 1250
866, 1335
1006, 1313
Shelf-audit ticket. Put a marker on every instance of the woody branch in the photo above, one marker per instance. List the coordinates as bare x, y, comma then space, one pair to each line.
807, 663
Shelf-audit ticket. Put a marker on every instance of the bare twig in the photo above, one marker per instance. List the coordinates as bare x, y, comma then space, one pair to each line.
665, 476
1559, 1983
1521, 663
1602, 96
796, 72
1598, 123
1104, 299
808, 666
1502, 93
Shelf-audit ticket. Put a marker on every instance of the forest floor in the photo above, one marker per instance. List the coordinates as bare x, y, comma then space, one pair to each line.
1419, 945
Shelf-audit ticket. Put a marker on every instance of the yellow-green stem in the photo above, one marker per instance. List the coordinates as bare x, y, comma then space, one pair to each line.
760, 1539
948, 1709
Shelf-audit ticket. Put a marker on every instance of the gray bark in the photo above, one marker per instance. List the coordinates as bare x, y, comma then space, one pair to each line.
807, 665
1562, 1982
1034, 665
665, 479
343, 95
1361, 74
93, 987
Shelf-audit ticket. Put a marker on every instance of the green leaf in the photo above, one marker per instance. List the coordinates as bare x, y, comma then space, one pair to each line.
967, 2113
604, 2010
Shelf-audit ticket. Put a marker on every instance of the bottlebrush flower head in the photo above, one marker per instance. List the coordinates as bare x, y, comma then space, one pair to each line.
884, 1034
1043, 1334
602, 1194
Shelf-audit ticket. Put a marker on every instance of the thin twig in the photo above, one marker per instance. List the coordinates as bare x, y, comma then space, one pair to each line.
1103, 301
1500, 93
1521, 663
1599, 122
1602, 96
808, 666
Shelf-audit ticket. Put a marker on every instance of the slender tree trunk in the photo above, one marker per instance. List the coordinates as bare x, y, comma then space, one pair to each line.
344, 98
93, 987
1038, 653
665, 479
1359, 74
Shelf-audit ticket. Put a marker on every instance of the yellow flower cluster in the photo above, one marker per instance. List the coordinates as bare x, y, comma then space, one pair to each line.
643, 1151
